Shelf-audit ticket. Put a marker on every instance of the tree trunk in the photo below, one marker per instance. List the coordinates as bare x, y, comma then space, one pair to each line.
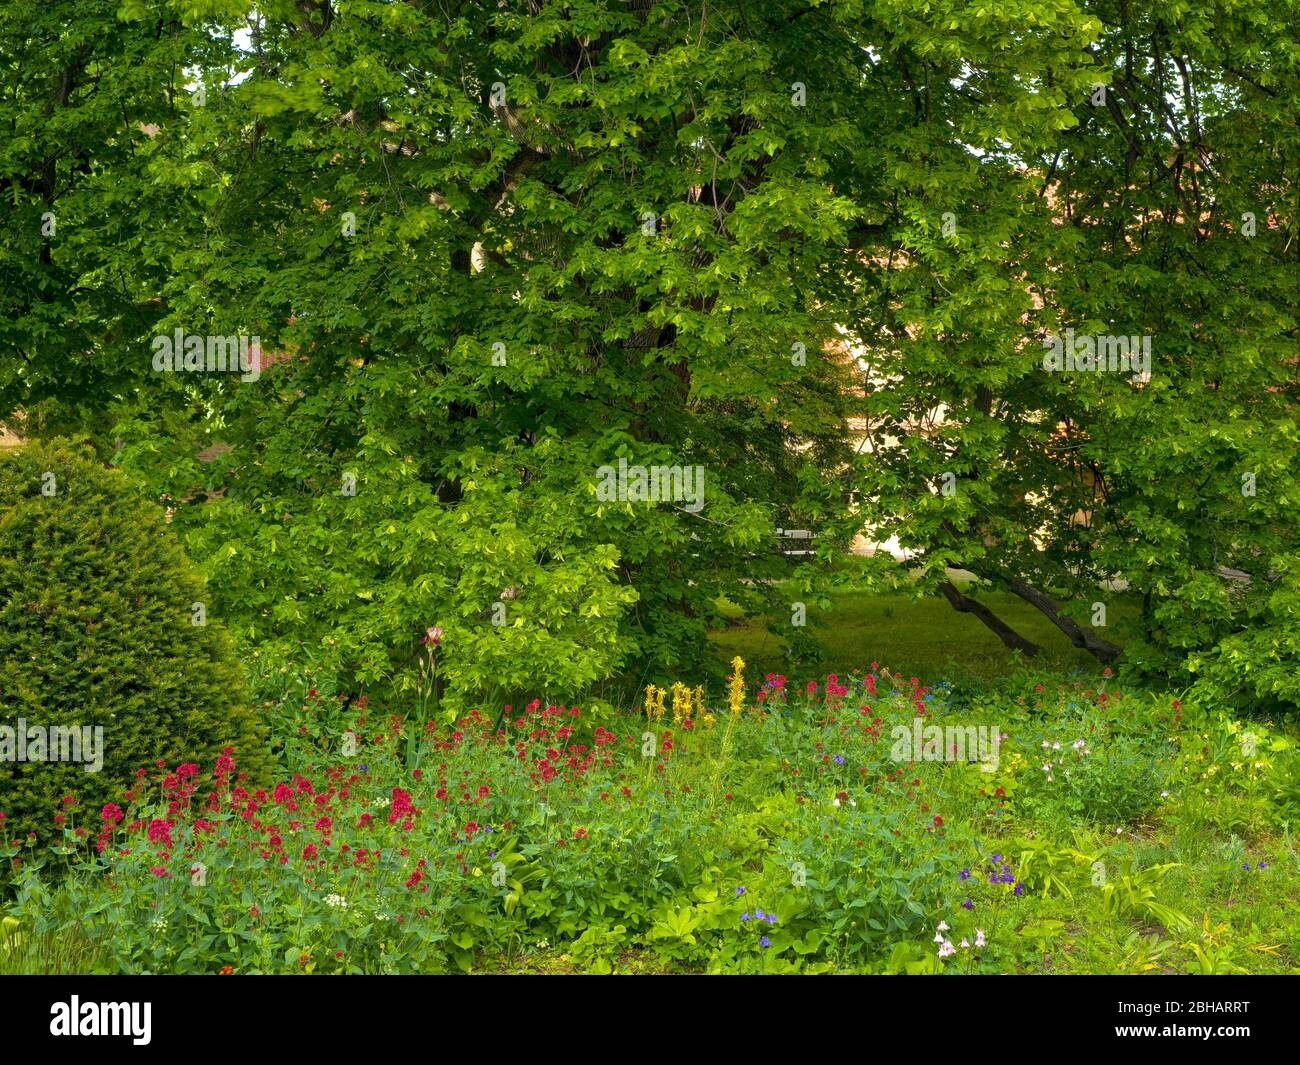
963, 604
1079, 635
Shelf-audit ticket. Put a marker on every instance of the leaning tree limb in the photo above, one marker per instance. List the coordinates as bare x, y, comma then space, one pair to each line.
964, 604
1079, 635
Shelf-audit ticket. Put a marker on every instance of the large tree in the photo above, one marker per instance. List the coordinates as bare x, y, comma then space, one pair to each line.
494, 247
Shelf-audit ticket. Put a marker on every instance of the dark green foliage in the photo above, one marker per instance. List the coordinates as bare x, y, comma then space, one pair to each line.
96, 630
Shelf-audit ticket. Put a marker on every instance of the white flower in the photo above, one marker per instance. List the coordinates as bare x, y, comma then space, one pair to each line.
1164, 794
159, 925
1046, 744
964, 944
1056, 746
835, 802
938, 937
337, 901
947, 949
1119, 831
382, 802
943, 926
979, 937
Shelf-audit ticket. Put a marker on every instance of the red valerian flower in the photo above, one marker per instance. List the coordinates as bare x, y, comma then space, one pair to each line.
110, 812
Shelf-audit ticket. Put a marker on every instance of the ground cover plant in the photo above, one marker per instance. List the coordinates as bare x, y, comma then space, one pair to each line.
777, 827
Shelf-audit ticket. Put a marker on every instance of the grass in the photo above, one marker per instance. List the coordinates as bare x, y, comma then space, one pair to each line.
921, 637
50, 953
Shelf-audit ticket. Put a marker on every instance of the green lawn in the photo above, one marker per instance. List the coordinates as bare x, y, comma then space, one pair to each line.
925, 637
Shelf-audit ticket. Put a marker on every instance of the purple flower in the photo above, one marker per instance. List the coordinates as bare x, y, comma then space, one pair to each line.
771, 918
1020, 889
1262, 866
433, 636
838, 758
968, 905
745, 916
765, 942
964, 875
492, 854
740, 891
760, 915
996, 858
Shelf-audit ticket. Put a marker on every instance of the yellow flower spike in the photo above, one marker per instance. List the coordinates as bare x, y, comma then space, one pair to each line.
736, 688
680, 699
699, 701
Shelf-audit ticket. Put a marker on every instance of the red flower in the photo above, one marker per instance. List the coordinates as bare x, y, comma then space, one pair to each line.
110, 812
938, 821
161, 832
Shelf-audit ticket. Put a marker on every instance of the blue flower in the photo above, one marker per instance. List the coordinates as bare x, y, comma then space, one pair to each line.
996, 858
1020, 889
765, 942
838, 758
1246, 866
759, 914
745, 916
771, 918
740, 891
964, 875
968, 905
1261, 865
364, 768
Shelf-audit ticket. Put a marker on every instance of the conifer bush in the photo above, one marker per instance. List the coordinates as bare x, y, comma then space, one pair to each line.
101, 627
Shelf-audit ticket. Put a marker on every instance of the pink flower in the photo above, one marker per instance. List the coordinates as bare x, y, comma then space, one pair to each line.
433, 636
